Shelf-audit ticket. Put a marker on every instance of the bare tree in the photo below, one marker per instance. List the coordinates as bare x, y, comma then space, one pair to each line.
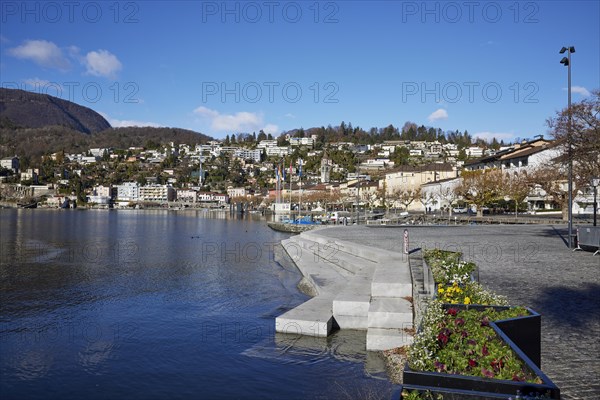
407, 196
427, 198
584, 137
449, 194
516, 187
554, 182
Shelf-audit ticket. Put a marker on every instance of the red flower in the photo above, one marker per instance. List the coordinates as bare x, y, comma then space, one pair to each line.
487, 373
459, 322
497, 364
517, 378
472, 363
485, 321
452, 311
442, 338
484, 350
439, 366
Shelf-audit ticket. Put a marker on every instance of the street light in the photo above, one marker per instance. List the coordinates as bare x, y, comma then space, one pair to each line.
595, 183
566, 61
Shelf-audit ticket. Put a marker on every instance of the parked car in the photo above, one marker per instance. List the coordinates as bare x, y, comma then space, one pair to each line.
337, 216
460, 210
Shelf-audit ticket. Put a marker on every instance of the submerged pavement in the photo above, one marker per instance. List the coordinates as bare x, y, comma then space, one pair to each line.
532, 266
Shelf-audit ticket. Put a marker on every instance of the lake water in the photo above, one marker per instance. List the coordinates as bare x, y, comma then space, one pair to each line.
160, 304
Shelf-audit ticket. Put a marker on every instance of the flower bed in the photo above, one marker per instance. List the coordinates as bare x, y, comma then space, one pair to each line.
454, 281
487, 350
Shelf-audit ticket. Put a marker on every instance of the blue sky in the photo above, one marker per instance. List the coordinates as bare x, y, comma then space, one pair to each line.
489, 67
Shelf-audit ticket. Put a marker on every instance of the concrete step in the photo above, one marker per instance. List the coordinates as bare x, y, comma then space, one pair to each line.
357, 250
329, 252
323, 277
311, 318
390, 312
392, 279
351, 305
359, 323
379, 339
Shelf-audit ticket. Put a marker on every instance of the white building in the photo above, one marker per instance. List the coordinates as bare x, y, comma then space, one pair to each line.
263, 144
247, 154
157, 193
440, 195
277, 151
128, 191
236, 192
30, 175
213, 197
99, 152
474, 151
303, 141
10, 163
101, 190
377, 163
187, 195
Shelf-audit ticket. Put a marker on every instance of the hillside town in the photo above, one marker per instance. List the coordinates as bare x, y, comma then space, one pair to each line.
299, 173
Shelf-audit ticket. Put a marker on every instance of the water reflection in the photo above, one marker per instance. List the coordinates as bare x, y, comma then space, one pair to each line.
93, 358
33, 364
158, 304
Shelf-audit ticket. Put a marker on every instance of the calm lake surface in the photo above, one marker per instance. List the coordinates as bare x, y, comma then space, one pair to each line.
160, 304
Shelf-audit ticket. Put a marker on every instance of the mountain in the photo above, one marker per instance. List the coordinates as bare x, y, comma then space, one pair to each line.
19, 108
32, 125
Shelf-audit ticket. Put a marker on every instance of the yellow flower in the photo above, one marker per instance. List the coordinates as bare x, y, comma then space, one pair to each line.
440, 290
467, 300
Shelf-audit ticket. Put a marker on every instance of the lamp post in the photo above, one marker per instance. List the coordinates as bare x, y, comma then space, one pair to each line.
595, 183
566, 61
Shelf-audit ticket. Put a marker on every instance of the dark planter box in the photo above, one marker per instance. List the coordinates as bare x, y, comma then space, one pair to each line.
521, 331
450, 394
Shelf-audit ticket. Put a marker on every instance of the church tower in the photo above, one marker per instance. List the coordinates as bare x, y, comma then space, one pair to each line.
325, 168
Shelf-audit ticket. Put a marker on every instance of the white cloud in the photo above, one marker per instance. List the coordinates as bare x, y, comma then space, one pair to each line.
506, 136
102, 63
39, 83
239, 122
438, 114
290, 115
42, 52
122, 123
579, 90
272, 129
206, 112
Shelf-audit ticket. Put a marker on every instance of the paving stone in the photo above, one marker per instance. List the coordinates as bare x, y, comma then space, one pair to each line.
532, 266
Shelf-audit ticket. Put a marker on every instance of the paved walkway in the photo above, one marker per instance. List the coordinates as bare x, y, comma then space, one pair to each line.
532, 266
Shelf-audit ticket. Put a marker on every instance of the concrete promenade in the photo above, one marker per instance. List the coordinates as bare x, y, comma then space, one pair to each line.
532, 266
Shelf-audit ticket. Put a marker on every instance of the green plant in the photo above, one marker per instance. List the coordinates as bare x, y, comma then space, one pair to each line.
463, 342
447, 268
454, 282
416, 395
469, 293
